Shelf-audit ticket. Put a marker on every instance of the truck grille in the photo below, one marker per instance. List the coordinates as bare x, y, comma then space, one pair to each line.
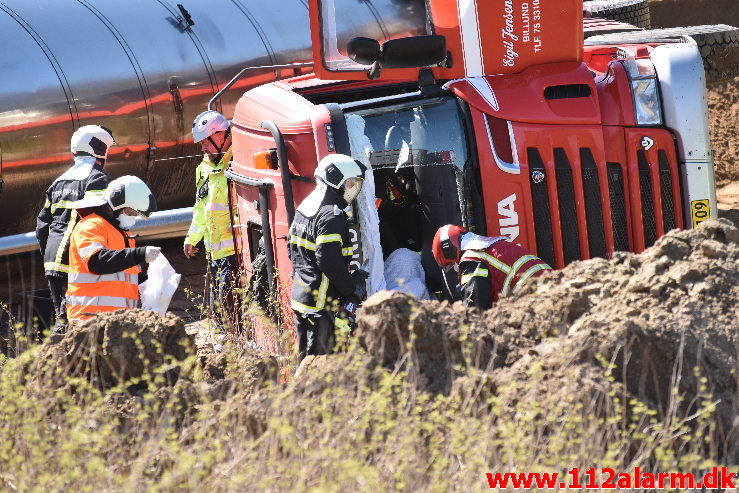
647, 200
617, 197
593, 206
668, 201
567, 209
542, 216
639, 207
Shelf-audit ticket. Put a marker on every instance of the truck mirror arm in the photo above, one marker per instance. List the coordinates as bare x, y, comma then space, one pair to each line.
244, 70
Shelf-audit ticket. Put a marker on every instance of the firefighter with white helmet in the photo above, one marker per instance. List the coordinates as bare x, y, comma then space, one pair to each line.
104, 260
89, 146
487, 266
320, 250
211, 218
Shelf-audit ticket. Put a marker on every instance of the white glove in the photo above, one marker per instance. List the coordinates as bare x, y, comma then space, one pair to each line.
152, 253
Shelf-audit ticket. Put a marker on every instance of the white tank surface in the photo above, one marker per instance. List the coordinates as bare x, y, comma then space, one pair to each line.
144, 69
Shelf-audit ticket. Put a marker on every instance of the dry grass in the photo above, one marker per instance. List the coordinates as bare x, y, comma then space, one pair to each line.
350, 425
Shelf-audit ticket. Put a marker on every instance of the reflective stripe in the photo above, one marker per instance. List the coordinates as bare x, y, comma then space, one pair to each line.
84, 278
195, 229
216, 207
530, 272
222, 244
62, 204
302, 242
479, 271
516, 265
494, 262
91, 301
320, 303
329, 238
47, 204
65, 239
343, 325
56, 266
90, 249
348, 251
94, 192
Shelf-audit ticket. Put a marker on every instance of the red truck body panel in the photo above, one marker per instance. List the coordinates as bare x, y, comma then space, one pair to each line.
482, 37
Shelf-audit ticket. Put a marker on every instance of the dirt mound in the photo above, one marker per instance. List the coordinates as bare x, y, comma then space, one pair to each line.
663, 319
723, 115
116, 347
231, 371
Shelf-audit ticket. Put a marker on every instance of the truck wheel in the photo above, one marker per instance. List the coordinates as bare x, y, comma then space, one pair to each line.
634, 12
718, 44
595, 27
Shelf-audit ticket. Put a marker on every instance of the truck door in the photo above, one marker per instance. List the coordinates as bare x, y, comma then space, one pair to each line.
481, 37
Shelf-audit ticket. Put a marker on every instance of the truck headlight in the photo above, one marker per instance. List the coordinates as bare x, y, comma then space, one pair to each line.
644, 91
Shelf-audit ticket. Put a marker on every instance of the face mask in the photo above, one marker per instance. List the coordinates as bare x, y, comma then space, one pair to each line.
351, 193
125, 221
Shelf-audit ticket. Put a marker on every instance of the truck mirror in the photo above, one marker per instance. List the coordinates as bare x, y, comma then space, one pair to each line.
364, 51
410, 52
413, 51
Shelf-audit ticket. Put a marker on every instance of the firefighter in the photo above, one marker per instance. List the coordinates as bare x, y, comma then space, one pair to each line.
320, 250
211, 217
103, 259
89, 146
400, 214
487, 266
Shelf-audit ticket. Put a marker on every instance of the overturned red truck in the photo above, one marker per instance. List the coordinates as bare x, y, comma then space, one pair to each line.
499, 117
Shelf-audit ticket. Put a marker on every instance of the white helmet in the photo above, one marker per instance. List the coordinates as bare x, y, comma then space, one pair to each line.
207, 123
335, 169
130, 191
95, 140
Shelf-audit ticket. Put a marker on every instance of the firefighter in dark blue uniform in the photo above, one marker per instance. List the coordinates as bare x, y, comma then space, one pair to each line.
55, 222
320, 250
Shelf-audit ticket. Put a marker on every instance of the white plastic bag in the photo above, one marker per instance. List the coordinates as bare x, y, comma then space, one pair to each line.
156, 292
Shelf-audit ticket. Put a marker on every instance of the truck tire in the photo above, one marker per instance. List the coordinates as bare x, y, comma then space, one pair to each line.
595, 27
634, 12
718, 44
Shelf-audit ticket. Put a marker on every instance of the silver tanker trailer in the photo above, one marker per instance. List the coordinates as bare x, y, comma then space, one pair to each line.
145, 69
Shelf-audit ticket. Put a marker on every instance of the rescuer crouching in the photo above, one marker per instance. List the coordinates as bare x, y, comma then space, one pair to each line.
323, 292
487, 266
104, 260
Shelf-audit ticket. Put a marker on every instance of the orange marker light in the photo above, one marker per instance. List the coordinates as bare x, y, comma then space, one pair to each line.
265, 159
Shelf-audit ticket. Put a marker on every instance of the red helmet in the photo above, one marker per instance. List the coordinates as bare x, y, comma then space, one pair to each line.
446, 245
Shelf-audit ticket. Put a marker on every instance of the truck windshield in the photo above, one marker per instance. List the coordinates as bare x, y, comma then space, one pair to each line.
418, 133
418, 154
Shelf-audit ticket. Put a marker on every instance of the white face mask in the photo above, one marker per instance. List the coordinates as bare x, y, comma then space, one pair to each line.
125, 221
351, 193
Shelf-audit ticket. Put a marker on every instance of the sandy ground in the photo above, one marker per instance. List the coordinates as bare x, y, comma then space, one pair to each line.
728, 206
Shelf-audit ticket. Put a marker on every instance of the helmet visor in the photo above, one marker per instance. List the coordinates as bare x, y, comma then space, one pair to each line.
352, 187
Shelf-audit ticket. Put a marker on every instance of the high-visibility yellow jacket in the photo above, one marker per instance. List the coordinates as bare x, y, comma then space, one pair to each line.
88, 292
211, 218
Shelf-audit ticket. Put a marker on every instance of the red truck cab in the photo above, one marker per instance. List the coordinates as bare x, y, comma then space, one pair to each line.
575, 153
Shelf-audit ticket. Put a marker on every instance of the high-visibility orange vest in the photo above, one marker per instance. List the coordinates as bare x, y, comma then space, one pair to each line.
89, 293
